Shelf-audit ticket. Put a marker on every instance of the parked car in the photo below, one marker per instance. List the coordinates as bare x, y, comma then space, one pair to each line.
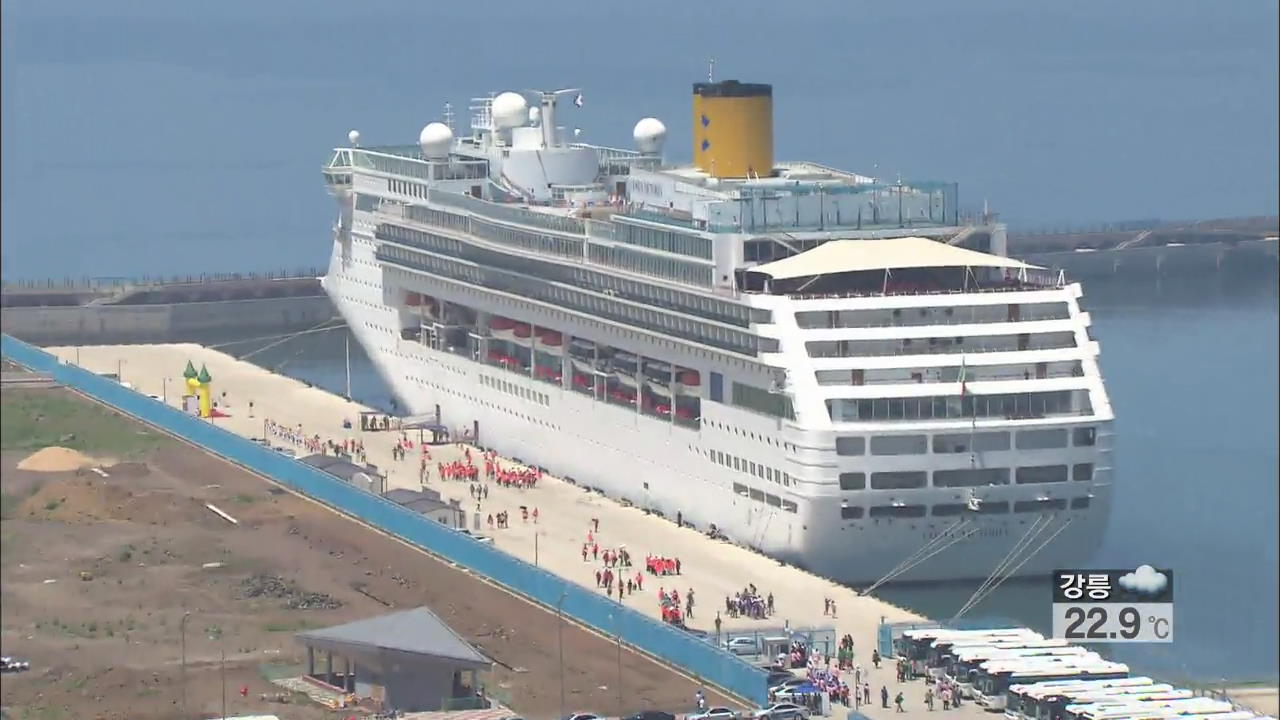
788, 684
487, 539
652, 715
715, 713
782, 711
746, 645
777, 677
582, 716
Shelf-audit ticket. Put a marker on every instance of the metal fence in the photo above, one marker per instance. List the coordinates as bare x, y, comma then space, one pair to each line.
108, 283
693, 655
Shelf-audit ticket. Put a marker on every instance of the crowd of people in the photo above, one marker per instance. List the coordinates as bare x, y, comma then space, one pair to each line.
670, 605
657, 565
844, 653
749, 603
312, 443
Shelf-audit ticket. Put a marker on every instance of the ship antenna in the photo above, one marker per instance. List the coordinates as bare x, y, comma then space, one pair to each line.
711, 70
448, 116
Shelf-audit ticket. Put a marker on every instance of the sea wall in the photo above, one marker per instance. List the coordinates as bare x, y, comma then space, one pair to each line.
109, 323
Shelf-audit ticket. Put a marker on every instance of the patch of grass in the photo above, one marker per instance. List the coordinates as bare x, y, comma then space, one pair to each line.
34, 419
246, 498
9, 504
125, 554
52, 504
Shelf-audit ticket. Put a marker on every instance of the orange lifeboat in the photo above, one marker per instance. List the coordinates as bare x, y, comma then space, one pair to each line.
551, 337
690, 378
497, 322
412, 299
522, 330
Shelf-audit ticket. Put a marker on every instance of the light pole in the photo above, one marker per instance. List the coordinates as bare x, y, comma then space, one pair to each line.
560, 638
215, 633
182, 628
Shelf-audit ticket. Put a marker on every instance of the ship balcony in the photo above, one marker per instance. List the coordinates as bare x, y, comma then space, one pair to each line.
1023, 342
973, 408
950, 374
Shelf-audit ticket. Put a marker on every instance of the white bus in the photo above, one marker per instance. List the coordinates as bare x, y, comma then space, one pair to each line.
992, 683
944, 651
914, 644
1154, 709
1050, 704
1023, 699
964, 666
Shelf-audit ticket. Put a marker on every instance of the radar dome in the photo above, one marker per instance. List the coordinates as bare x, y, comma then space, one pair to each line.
435, 140
354, 137
649, 135
509, 110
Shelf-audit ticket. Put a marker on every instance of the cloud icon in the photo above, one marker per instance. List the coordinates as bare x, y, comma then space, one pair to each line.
1146, 580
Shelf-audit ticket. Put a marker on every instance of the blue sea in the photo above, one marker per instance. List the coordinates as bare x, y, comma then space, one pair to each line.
158, 138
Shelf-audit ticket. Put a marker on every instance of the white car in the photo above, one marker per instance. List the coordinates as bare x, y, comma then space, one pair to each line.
782, 711
742, 646
788, 685
582, 716
715, 713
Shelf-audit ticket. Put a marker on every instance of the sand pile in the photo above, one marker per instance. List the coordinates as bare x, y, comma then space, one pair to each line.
56, 459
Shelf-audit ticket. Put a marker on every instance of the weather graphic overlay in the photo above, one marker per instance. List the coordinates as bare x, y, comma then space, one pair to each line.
1113, 605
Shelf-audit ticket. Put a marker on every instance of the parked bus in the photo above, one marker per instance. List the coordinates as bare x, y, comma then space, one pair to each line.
1155, 709
1049, 704
1023, 698
943, 650
991, 686
914, 645
965, 665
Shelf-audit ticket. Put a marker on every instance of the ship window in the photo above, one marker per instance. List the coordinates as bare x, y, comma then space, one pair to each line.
903, 480
1042, 474
850, 512
851, 445
949, 510
756, 495
1084, 437
1082, 471
853, 481
993, 508
736, 462
970, 477
1039, 505
971, 442
717, 387
789, 506
899, 445
768, 474
773, 500
740, 489
1080, 503
1042, 439
898, 511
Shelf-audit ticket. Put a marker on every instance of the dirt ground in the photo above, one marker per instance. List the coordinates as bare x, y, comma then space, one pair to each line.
107, 643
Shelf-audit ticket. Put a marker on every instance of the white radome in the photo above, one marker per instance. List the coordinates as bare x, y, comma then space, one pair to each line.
534, 115
436, 139
354, 137
649, 135
509, 110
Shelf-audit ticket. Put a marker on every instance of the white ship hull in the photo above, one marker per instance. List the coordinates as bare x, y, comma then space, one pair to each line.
578, 437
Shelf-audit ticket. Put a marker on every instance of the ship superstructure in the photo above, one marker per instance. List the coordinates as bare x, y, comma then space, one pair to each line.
841, 372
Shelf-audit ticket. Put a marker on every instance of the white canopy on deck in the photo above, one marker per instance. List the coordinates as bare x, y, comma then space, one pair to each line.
842, 256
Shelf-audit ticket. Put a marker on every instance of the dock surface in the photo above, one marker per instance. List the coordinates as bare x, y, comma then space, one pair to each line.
712, 569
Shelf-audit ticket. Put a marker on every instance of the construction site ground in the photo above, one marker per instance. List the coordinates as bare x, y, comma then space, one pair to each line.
98, 573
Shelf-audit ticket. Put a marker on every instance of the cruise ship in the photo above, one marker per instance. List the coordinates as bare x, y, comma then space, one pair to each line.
842, 372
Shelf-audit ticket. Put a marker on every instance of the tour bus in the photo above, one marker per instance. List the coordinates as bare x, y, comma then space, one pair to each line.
944, 649
991, 686
914, 644
1023, 699
1050, 705
962, 668
1233, 715
1152, 709
1054, 707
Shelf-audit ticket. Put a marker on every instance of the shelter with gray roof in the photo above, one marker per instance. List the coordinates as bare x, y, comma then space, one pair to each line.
366, 477
408, 660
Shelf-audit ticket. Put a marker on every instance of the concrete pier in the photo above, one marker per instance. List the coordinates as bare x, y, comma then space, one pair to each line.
712, 569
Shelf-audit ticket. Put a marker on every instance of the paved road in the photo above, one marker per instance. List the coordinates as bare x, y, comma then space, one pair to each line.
712, 569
